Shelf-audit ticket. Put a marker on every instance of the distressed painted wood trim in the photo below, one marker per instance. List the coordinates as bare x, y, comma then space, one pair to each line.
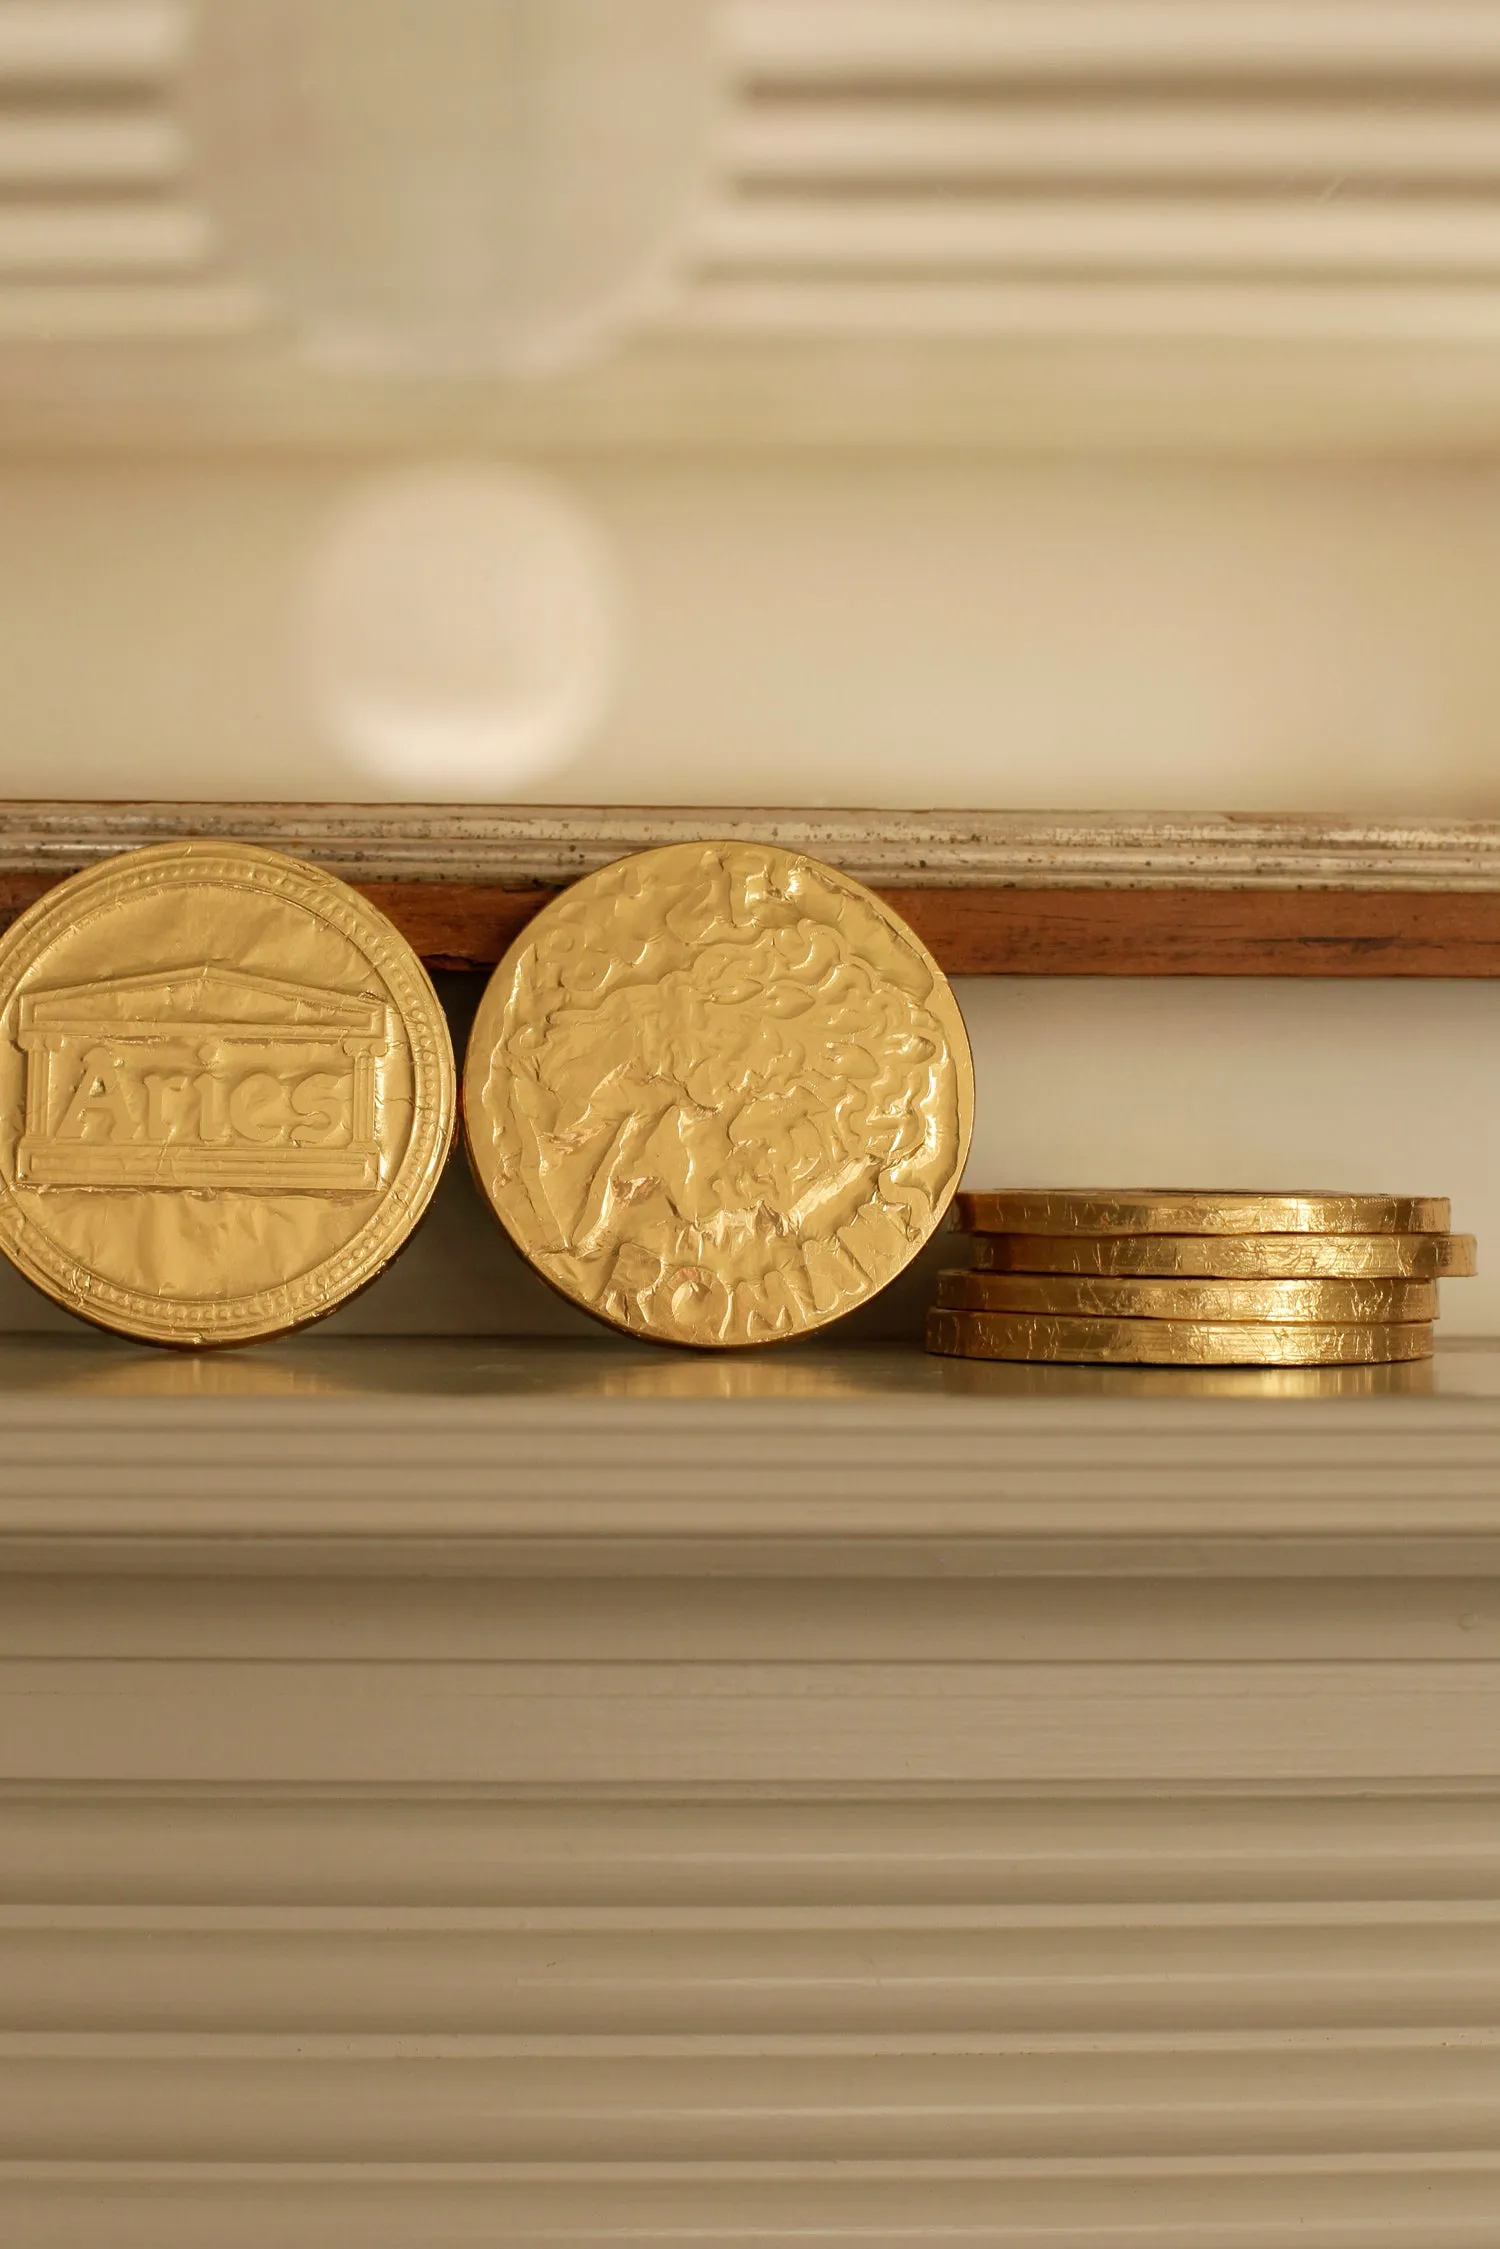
541, 846
1028, 1864
992, 893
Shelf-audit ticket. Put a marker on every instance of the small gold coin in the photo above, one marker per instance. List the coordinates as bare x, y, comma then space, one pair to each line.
228, 1093
1083, 1296
1171, 1210
1178, 1343
1231, 1257
718, 1094
1055, 1378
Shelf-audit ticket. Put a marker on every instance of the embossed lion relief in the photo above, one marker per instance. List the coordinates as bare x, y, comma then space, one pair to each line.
726, 1093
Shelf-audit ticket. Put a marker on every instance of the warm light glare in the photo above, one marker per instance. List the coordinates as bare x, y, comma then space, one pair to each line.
462, 629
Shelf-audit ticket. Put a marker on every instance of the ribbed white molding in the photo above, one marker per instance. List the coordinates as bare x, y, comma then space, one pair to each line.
146, 311
1073, 168
841, 1466
92, 42
1289, 209
576, 1817
121, 238
101, 237
785, 40
1388, 2202
89, 151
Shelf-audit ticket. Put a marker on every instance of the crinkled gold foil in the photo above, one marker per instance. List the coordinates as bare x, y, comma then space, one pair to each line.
227, 1093
718, 1094
1087, 1296
1231, 1257
1173, 1210
1101, 1342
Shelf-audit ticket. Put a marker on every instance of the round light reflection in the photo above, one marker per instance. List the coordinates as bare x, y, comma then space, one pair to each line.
462, 630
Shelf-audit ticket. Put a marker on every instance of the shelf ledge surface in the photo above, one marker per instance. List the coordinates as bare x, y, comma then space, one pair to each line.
392, 1454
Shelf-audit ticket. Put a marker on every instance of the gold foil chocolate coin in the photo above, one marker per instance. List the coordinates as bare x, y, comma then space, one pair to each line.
1170, 1210
1231, 1257
1178, 1343
228, 1093
1084, 1296
718, 1094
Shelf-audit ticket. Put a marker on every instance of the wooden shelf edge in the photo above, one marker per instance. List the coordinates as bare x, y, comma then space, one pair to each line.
992, 893
1298, 933
975, 931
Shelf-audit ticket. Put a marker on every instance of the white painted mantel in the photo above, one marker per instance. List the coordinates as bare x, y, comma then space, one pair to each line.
567, 1794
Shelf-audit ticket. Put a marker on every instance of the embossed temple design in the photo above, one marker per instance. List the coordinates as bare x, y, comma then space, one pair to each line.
201, 1078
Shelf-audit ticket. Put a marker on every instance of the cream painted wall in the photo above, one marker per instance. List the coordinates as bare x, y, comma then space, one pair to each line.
1253, 637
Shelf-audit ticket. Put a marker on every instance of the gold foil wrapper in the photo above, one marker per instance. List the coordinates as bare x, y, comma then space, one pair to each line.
1329, 1303
1102, 1342
1231, 1257
1171, 1210
718, 1094
228, 1093
1057, 1378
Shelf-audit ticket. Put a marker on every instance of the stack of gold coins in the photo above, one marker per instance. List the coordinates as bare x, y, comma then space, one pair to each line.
1168, 1277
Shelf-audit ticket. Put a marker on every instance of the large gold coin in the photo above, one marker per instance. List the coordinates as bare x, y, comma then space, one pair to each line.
1177, 1343
1231, 1257
718, 1094
1172, 1210
1084, 1296
229, 1093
